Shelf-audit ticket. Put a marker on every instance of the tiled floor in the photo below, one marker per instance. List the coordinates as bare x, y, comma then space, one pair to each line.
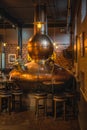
26, 120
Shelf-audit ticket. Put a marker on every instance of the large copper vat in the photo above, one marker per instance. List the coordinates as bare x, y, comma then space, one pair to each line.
40, 47
40, 69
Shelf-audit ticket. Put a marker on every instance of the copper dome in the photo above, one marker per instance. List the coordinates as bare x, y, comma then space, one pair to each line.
40, 47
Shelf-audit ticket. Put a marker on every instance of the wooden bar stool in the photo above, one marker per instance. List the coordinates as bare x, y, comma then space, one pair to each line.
40, 103
17, 98
59, 99
5, 101
70, 103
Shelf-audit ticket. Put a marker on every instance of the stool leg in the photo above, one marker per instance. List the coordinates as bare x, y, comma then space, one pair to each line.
37, 108
9, 105
0, 105
20, 101
45, 107
73, 107
54, 109
13, 102
64, 110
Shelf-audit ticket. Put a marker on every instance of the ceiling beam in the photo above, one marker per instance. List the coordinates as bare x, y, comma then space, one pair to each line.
5, 16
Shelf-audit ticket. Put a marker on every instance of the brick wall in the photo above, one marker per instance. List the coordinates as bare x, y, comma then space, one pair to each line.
11, 37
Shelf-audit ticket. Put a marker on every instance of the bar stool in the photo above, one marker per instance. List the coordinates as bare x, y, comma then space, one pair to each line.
40, 103
5, 101
17, 98
70, 103
59, 99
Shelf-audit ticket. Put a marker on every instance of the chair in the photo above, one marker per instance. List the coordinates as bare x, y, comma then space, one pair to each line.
5, 101
59, 99
17, 98
40, 103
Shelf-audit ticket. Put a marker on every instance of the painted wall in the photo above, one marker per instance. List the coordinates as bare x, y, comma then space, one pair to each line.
80, 63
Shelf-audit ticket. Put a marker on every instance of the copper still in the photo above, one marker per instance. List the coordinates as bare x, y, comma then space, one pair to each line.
40, 46
40, 49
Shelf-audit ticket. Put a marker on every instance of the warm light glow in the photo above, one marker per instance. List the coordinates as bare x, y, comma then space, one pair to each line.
4, 44
39, 24
56, 47
54, 44
53, 57
74, 47
18, 47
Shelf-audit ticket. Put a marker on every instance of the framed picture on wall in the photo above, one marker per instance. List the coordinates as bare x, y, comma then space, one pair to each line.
11, 58
82, 50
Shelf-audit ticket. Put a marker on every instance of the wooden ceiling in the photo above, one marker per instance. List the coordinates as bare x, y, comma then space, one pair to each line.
21, 12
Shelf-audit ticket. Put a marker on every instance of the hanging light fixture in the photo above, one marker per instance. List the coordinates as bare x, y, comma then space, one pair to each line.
55, 44
40, 49
39, 25
4, 44
18, 47
39, 18
4, 33
40, 46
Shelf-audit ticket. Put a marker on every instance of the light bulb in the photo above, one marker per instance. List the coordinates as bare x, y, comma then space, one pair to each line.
4, 44
18, 47
39, 25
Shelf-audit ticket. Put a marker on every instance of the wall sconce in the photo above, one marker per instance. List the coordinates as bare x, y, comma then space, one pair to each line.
3, 47
18, 48
4, 44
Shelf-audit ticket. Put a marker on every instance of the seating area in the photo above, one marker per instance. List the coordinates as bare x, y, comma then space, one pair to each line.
63, 105
10, 97
52, 105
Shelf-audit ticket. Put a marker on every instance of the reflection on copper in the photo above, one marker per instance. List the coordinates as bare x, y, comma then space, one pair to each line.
40, 47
